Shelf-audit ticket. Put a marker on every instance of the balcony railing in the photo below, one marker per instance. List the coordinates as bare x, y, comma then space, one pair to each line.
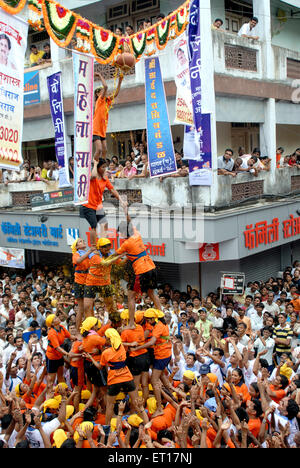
174, 192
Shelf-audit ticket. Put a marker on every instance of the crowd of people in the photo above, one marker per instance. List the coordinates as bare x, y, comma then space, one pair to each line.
255, 162
88, 362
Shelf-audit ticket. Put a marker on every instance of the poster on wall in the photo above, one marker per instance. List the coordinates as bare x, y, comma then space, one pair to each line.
12, 258
13, 43
32, 88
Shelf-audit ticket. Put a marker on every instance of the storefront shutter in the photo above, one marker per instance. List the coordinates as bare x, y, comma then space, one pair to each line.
261, 266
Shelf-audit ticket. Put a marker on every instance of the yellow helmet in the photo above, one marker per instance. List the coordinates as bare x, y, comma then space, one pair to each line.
103, 242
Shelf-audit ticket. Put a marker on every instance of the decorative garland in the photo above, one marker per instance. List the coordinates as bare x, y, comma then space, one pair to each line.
12, 6
35, 18
62, 24
59, 22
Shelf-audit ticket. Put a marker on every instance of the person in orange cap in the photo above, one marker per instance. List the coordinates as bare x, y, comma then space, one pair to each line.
80, 260
162, 353
138, 361
98, 279
143, 266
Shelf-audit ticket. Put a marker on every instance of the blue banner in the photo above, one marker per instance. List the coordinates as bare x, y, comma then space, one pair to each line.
31, 88
57, 113
161, 156
200, 167
194, 48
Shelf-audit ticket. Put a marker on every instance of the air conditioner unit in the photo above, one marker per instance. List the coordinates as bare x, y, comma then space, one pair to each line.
118, 11
138, 6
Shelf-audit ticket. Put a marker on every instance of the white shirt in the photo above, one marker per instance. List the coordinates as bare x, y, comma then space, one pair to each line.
5, 315
283, 420
271, 308
257, 322
270, 343
34, 437
245, 30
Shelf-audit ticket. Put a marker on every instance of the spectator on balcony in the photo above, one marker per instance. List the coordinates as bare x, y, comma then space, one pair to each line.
47, 53
31, 174
71, 167
119, 31
147, 23
279, 153
145, 170
129, 30
36, 56
284, 161
248, 30
53, 173
7, 177
293, 161
226, 163
243, 165
297, 152
38, 175
112, 171
265, 162
160, 17
44, 171
129, 171
216, 26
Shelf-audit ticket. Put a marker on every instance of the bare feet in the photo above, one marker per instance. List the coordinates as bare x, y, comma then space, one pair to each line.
157, 413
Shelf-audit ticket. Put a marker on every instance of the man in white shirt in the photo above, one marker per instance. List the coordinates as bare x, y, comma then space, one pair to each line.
266, 343
248, 29
226, 163
53, 173
257, 318
271, 306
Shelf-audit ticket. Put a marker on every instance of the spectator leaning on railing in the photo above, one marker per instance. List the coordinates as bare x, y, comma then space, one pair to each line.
248, 30
36, 56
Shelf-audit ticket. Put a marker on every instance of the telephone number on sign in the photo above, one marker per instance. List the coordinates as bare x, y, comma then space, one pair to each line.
8, 134
9, 154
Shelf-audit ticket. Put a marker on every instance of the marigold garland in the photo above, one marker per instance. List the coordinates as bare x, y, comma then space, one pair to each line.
61, 25
12, 6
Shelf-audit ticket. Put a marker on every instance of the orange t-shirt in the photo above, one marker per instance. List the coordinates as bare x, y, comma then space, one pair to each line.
129, 336
97, 187
296, 304
243, 390
76, 362
116, 358
279, 394
163, 345
91, 343
100, 119
254, 426
56, 337
98, 275
133, 247
83, 266
149, 327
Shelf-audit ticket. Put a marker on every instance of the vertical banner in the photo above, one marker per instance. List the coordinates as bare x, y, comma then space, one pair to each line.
57, 113
194, 48
161, 156
13, 43
184, 107
197, 148
83, 68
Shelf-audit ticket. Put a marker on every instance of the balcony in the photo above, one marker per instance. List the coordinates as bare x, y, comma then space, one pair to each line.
175, 193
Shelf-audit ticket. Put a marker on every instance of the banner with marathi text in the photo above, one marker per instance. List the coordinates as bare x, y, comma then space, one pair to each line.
161, 155
184, 107
13, 43
194, 48
83, 67
57, 113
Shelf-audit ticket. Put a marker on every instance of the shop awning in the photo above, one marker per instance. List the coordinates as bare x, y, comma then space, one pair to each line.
294, 3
